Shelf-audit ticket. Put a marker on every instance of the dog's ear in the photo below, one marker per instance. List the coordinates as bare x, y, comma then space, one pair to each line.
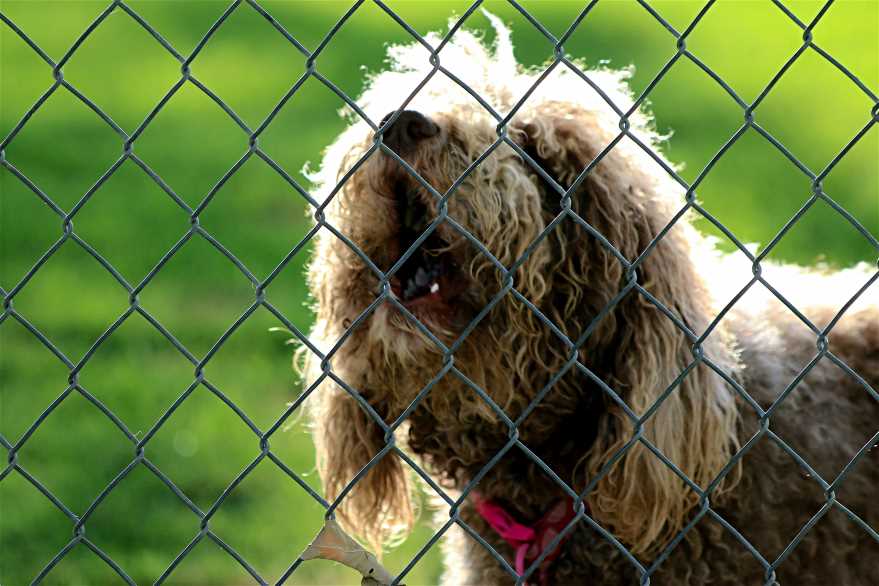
636, 349
378, 508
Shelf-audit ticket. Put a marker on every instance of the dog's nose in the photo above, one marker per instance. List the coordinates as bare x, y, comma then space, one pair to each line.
408, 130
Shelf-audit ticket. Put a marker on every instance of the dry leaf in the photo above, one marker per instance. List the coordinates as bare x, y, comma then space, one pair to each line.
332, 543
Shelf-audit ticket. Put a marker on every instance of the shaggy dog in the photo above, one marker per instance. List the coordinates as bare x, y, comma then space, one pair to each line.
604, 336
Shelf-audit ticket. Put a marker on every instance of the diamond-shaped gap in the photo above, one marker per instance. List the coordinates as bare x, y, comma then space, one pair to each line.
142, 509
267, 496
532, 46
651, 202
813, 551
433, 512
64, 148
540, 498
288, 292
298, 147
76, 471
467, 283
24, 77
203, 446
458, 539
440, 96
248, 64
707, 532
397, 335
72, 299
292, 444
696, 115
851, 489
678, 14
368, 33
806, 10
131, 208
643, 43
854, 184
721, 265
395, 559
586, 113
257, 215
753, 190
771, 521
79, 566
759, 29
33, 530
191, 143
838, 115
198, 294
115, 374
430, 20
309, 22
53, 30
182, 27
122, 69
758, 319
28, 227
208, 563
253, 369
34, 377
837, 410
849, 31
824, 239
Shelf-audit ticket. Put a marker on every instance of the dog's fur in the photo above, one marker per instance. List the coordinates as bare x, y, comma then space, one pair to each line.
579, 428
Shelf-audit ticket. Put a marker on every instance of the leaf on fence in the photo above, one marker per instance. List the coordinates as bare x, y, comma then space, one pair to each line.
332, 543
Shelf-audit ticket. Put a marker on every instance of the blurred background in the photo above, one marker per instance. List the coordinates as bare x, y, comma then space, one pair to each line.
64, 148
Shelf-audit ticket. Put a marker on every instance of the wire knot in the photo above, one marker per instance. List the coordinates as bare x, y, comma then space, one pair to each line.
558, 52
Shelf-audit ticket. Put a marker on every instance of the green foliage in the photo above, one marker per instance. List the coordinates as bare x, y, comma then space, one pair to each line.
138, 374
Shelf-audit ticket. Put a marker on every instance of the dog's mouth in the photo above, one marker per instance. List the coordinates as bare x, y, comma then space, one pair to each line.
431, 275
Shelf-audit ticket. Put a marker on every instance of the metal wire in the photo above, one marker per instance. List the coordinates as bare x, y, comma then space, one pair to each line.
263, 437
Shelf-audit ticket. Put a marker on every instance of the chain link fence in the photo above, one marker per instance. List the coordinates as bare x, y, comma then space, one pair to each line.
15, 465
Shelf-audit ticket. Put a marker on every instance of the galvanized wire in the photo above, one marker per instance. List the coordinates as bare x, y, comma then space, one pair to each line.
631, 283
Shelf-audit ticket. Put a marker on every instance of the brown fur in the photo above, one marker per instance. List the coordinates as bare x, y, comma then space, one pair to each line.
636, 350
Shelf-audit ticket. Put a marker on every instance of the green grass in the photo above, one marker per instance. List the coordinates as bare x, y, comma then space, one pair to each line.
138, 374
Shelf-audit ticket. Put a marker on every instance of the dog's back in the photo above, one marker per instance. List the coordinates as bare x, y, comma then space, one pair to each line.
810, 470
811, 477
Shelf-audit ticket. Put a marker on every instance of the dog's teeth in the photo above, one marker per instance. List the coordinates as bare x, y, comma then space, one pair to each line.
434, 288
421, 277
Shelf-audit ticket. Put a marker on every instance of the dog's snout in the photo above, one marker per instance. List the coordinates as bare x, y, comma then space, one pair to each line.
408, 130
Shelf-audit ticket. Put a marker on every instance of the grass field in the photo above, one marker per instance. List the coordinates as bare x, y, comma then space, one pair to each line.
138, 374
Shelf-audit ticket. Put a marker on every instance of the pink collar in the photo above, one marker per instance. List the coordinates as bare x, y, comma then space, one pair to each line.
529, 542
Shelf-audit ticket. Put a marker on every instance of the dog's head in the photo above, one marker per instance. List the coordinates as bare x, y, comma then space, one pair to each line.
463, 258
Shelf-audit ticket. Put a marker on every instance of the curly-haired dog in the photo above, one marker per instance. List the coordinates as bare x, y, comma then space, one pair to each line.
637, 342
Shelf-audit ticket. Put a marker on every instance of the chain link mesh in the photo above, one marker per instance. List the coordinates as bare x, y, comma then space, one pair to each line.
251, 135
